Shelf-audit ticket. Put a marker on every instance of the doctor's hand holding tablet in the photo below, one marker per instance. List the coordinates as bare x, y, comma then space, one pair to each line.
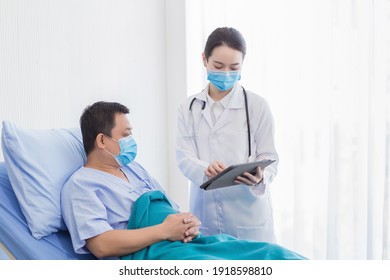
216, 167
250, 174
219, 128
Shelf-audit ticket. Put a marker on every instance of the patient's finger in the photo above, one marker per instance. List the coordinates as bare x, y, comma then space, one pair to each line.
190, 237
188, 218
194, 232
191, 231
187, 239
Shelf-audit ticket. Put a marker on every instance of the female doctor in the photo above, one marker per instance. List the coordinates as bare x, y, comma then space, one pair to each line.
223, 125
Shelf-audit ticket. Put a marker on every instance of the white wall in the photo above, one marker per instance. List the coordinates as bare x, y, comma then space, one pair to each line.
176, 77
57, 57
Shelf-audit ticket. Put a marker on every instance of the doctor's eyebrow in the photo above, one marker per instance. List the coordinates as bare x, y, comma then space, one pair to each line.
222, 64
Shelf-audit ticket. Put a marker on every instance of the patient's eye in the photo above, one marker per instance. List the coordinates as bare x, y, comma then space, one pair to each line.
128, 132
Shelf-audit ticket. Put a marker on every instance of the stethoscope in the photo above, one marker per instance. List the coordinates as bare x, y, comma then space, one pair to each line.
246, 112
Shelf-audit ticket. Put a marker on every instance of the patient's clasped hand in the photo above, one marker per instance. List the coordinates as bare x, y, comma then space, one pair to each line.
112, 207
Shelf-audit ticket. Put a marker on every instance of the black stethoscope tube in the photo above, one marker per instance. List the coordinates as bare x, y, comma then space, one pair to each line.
246, 113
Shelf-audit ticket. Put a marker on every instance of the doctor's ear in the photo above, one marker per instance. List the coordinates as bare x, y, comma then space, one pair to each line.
204, 60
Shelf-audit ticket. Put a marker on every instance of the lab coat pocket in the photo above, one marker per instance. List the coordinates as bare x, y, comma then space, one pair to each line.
263, 232
252, 233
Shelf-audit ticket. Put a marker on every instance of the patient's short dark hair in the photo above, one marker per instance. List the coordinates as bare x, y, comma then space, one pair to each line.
99, 118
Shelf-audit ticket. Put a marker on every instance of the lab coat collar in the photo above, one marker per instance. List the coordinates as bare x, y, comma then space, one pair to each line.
236, 102
236, 97
206, 112
203, 94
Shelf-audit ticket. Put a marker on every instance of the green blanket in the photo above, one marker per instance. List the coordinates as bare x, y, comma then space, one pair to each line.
152, 208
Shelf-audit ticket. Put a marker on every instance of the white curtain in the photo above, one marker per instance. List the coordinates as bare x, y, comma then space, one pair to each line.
324, 67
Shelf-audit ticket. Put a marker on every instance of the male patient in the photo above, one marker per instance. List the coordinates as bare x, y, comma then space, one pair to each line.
97, 199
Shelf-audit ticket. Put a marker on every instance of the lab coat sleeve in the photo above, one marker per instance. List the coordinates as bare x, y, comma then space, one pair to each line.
265, 147
186, 153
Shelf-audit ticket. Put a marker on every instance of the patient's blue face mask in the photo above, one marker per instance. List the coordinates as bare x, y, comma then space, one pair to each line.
128, 150
223, 80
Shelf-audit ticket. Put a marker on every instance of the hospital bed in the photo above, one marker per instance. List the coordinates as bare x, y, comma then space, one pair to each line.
36, 165
16, 241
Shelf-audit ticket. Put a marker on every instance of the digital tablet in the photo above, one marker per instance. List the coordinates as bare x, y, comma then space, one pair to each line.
226, 178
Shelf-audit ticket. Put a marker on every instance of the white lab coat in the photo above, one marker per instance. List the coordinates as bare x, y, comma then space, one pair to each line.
241, 211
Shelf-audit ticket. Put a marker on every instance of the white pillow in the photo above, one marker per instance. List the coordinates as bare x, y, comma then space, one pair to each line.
38, 164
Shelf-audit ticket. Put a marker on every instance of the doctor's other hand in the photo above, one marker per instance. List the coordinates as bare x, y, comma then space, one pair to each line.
214, 168
250, 179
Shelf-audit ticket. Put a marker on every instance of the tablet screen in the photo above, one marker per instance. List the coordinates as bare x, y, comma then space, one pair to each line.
226, 178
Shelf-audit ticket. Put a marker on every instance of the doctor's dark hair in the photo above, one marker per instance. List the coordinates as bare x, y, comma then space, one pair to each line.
99, 118
227, 36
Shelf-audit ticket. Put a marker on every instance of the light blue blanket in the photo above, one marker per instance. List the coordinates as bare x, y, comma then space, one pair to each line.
153, 207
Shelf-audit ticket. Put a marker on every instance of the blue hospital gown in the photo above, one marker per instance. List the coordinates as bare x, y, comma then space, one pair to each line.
94, 201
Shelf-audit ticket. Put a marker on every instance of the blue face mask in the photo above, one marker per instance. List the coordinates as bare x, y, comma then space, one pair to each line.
128, 150
223, 80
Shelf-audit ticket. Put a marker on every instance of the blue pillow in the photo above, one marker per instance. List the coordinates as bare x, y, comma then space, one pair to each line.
38, 164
